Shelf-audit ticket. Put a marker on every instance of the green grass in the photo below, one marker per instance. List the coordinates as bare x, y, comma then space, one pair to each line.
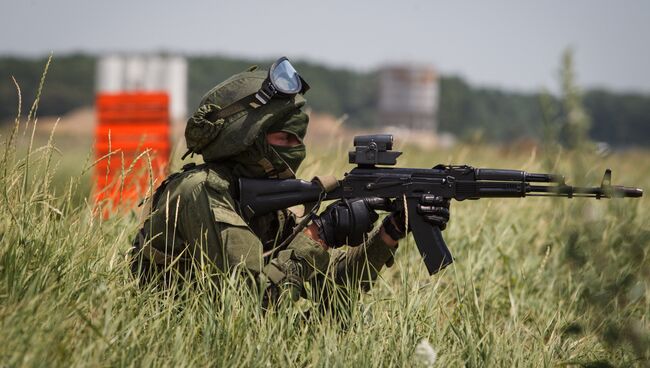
536, 282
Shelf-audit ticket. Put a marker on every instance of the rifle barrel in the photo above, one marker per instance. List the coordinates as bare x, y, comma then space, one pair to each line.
628, 191
517, 175
615, 191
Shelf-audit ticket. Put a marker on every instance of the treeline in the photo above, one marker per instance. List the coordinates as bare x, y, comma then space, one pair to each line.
497, 115
69, 84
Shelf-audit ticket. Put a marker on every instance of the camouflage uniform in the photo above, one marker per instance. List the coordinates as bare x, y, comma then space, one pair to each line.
195, 213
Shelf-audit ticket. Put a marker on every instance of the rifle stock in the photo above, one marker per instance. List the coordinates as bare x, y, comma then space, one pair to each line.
258, 197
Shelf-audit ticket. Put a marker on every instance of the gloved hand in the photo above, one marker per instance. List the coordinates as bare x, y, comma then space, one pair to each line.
347, 221
434, 209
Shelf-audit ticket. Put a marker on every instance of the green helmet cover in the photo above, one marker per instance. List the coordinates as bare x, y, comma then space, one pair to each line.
239, 140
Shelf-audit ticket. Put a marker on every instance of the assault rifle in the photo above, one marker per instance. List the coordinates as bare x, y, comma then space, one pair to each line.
403, 188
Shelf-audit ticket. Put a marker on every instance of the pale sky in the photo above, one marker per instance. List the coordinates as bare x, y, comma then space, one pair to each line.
515, 44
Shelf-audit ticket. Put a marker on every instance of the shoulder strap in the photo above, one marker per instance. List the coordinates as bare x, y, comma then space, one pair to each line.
246, 103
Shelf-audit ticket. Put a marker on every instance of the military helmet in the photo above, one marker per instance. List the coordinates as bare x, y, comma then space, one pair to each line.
242, 133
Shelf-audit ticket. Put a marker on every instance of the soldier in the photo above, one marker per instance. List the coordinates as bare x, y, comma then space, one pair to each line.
252, 126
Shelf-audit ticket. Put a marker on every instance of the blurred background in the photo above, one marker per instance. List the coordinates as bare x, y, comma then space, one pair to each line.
494, 72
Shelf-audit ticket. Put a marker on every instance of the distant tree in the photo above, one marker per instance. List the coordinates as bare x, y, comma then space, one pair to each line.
575, 121
619, 118
465, 110
497, 115
69, 84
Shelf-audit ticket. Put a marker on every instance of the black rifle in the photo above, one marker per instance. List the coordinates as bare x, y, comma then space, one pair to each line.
407, 185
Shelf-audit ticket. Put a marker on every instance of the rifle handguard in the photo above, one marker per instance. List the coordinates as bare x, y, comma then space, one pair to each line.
327, 182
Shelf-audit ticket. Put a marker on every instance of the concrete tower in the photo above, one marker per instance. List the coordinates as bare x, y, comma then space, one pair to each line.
408, 97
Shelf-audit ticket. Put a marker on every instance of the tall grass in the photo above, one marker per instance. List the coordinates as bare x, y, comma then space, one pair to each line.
534, 282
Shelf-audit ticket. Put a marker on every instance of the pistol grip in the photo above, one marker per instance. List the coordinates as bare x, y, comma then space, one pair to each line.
428, 239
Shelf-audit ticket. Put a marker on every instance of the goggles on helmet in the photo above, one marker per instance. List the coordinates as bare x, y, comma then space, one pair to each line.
282, 81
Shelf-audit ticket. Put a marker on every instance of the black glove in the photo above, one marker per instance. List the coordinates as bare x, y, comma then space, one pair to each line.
347, 221
434, 209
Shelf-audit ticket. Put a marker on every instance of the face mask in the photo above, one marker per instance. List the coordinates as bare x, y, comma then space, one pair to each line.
265, 160
292, 156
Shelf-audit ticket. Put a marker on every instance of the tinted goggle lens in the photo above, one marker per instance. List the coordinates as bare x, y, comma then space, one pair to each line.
285, 78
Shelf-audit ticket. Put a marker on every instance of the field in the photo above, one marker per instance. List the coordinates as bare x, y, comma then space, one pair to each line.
536, 281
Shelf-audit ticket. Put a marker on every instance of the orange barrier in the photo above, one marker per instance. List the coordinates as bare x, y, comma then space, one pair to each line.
132, 146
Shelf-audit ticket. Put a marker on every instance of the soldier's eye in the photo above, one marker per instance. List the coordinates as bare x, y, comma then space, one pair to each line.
282, 139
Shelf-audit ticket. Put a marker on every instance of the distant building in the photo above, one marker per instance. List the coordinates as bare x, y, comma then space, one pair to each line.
408, 97
146, 73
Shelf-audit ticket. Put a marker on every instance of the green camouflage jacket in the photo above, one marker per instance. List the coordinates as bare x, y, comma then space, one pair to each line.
196, 215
